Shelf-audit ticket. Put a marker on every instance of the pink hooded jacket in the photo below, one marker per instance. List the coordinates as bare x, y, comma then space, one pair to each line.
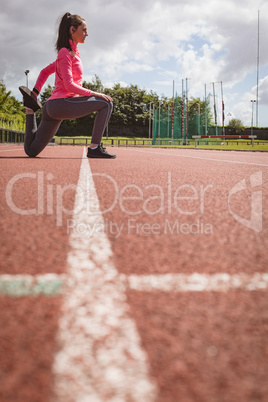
68, 71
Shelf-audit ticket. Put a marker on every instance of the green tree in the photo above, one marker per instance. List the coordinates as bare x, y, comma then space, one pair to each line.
46, 94
12, 113
197, 106
236, 126
95, 85
131, 105
120, 109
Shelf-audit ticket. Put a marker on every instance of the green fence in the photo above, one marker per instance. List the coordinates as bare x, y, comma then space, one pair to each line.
177, 124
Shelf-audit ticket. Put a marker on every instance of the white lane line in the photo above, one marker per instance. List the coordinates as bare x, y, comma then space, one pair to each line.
10, 150
199, 157
196, 282
31, 285
53, 284
99, 354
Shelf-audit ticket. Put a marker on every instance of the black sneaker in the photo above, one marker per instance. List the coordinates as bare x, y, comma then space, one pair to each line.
99, 152
30, 100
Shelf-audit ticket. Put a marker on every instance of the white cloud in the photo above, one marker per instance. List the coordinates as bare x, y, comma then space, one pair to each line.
111, 84
263, 90
145, 43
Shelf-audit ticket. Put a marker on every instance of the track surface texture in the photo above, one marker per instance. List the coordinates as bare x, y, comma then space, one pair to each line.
143, 278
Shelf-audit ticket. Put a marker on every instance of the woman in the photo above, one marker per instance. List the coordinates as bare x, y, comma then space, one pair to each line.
69, 100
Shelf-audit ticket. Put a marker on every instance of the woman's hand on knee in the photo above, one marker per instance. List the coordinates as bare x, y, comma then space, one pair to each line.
106, 97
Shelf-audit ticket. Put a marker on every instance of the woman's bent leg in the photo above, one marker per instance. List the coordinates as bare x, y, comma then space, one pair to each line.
101, 122
73, 108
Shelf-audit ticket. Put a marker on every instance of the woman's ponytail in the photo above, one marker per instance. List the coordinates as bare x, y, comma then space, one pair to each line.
64, 35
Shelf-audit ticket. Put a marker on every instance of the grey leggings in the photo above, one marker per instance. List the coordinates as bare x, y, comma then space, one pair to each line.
56, 110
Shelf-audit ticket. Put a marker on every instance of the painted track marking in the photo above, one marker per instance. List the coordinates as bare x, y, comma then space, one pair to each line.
99, 355
199, 157
10, 150
53, 284
31, 285
196, 282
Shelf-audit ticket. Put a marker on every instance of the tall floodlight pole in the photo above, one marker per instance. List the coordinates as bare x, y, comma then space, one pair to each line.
149, 134
150, 121
199, 119
160, 103
252, 101
222, 103
186, 133
168, 123
215, 110
206, 117
182, 111
153, 125
258, 65
173, 106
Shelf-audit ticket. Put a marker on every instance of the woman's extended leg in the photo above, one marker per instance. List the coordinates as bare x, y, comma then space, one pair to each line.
36, 139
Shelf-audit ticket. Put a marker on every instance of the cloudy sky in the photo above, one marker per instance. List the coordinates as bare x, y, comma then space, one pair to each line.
150, 43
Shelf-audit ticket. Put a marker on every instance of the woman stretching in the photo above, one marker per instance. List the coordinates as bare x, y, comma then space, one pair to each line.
69, 100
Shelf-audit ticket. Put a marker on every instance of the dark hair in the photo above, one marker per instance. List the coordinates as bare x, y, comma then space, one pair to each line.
67, 21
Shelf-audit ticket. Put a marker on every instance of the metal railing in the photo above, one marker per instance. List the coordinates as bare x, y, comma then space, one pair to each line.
8, 135
197, 138
106, 141
13, 136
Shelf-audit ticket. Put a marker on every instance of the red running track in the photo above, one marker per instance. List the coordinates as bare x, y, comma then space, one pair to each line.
165, 212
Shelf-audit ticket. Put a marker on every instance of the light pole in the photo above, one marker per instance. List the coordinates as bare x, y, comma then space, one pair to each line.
160, 103
26, 73
252, 101
215, 109
222, 110
206, 117
153, 125
168, 123
199, 122
150, 120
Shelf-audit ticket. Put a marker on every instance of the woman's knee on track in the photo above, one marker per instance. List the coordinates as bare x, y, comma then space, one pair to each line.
30, 153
